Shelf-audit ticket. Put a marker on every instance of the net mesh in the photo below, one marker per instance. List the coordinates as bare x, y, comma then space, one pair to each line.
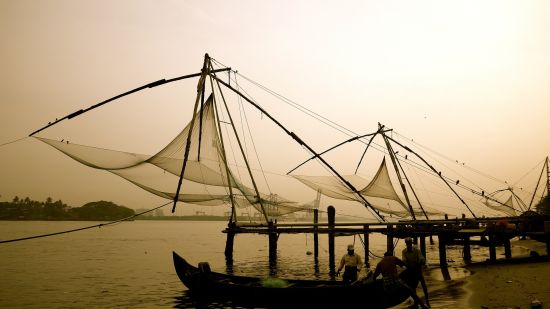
380, 190
507, 207
206, 178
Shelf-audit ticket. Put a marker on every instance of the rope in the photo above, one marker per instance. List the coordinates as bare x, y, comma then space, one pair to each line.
252, 139
531, 170
448, 158
348, 132
14, 141
84, 228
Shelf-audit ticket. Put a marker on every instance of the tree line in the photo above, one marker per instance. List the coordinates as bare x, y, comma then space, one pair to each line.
27, 209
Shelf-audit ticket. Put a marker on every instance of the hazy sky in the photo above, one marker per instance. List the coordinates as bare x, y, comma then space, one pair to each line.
468, 79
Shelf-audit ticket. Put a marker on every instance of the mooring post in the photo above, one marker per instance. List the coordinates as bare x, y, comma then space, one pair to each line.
467, 255
423, 246
229, 242
272, 234
442, 251
331, 220
366, 239
507, 248
547, 233
492, 248
315, 234
389, 239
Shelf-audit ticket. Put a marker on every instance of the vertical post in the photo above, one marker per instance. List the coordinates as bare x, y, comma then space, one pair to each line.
547, 233
315, 234
423, 246
272, 243
442, 251
507, 248
467, 254
492, 248
389, 238
229, 242
366, 238
331, 212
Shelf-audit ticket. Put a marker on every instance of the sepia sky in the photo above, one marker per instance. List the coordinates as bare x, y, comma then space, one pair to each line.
468, 79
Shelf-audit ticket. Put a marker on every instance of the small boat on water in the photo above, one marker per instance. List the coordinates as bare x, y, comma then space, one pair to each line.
207, 286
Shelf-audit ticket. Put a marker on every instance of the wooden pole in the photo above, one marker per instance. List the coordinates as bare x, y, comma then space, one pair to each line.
442, 251
507, 248
229, 243
393, 158
272, 243
492, 248
331, 212
366, 239
201, 83
389, 239
423, 246
466, 250
366, 203
315, 234
258, 196
435, 171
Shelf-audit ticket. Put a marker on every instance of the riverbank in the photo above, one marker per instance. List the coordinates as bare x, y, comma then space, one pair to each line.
510, 285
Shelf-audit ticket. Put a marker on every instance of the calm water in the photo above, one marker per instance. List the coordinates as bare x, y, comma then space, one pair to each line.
130, 264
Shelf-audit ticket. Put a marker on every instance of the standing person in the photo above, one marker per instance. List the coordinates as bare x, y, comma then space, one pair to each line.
392, 283
414, 261
352, 263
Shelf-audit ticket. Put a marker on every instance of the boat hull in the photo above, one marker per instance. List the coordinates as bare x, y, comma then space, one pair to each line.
208, 286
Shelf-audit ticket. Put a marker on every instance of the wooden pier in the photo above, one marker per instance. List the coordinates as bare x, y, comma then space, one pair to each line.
492, 233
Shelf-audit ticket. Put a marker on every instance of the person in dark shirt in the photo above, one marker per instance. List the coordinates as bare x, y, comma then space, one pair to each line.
392, 283
414, 261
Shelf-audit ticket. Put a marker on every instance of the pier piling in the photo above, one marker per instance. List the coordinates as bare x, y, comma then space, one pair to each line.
423, 245
442, 251
507, 248
366, 244
315, 234
229, 246
492, 248
467, 254
389, 239
331, 213
272, 243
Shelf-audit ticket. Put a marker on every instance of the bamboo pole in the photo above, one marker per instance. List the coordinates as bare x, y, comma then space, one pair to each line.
378, 216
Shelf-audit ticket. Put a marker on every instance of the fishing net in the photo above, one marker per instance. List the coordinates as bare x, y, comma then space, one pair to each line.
506, 207
207, 177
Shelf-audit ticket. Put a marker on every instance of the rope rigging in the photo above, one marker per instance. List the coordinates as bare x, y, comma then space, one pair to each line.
13, 141
210, 71
347, 131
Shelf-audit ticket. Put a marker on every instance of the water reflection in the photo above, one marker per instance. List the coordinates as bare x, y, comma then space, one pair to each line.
186, 301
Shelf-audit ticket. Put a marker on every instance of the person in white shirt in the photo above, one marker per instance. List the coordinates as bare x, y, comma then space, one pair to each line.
352, 263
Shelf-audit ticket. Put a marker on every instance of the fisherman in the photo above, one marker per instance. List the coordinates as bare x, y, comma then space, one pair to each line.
415, 261
392, 283
352, 263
